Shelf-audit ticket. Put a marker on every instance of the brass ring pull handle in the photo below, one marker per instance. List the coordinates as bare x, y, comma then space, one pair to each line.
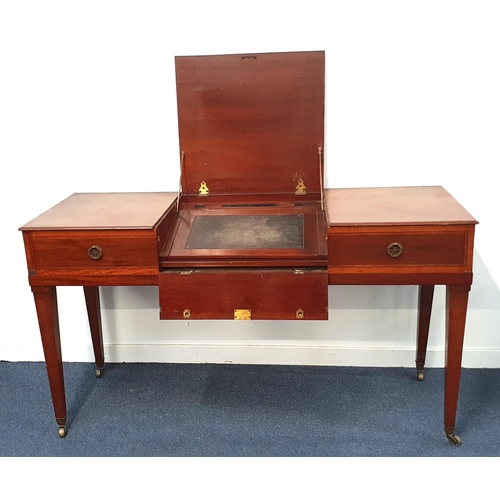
395, 249
95, 252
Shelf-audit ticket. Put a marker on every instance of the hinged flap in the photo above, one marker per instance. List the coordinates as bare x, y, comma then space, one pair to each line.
251, 123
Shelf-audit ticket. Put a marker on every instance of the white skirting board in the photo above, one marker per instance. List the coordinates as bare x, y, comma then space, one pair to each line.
260, 354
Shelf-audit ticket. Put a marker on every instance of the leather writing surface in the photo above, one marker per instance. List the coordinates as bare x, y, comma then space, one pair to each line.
246, 232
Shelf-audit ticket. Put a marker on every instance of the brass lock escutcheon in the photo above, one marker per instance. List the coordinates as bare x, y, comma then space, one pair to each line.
395, 249
186, 313
299, 314
243, 314
95, 252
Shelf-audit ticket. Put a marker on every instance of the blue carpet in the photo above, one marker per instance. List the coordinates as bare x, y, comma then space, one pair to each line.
175, 410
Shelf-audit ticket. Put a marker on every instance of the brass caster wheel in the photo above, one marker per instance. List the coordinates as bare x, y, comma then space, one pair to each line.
454, 439
420, 376
99, 372
62, 431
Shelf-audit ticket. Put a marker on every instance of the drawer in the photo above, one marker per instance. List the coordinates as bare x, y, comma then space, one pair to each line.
244, 294
93, 251
411, 247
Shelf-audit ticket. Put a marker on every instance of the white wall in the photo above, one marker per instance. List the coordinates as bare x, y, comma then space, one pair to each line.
87, 103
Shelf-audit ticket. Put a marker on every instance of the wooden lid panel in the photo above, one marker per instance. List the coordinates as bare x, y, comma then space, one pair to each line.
104, 211
251, 124
408, 205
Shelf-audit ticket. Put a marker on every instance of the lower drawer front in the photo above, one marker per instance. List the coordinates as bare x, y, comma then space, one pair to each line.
244, 294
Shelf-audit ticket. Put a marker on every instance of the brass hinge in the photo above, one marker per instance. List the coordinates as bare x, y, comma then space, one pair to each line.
300, 188
203, 191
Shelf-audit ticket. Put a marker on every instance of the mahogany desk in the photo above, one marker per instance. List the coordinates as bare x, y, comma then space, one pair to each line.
375, 236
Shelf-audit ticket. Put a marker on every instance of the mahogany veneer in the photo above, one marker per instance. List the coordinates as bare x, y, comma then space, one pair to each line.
436, 233
252, 234
129, 228
266, 293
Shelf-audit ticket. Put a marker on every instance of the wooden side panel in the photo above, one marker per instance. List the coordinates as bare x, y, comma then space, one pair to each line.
266, 293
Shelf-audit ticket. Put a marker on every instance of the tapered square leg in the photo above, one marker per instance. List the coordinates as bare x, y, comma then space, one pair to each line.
425, 296
94, 314
48, 320
457, 297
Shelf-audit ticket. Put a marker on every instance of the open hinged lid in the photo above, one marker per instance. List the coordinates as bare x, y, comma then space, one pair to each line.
251, 124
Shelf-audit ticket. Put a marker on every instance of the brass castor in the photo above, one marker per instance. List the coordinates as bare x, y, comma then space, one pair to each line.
62, 431
99, 372
454, 439
420, 376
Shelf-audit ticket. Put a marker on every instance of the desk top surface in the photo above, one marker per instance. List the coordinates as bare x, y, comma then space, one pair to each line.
345, 206
105, 211
394, 206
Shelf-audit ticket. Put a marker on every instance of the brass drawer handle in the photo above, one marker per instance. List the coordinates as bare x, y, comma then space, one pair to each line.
395, 249
95, 252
